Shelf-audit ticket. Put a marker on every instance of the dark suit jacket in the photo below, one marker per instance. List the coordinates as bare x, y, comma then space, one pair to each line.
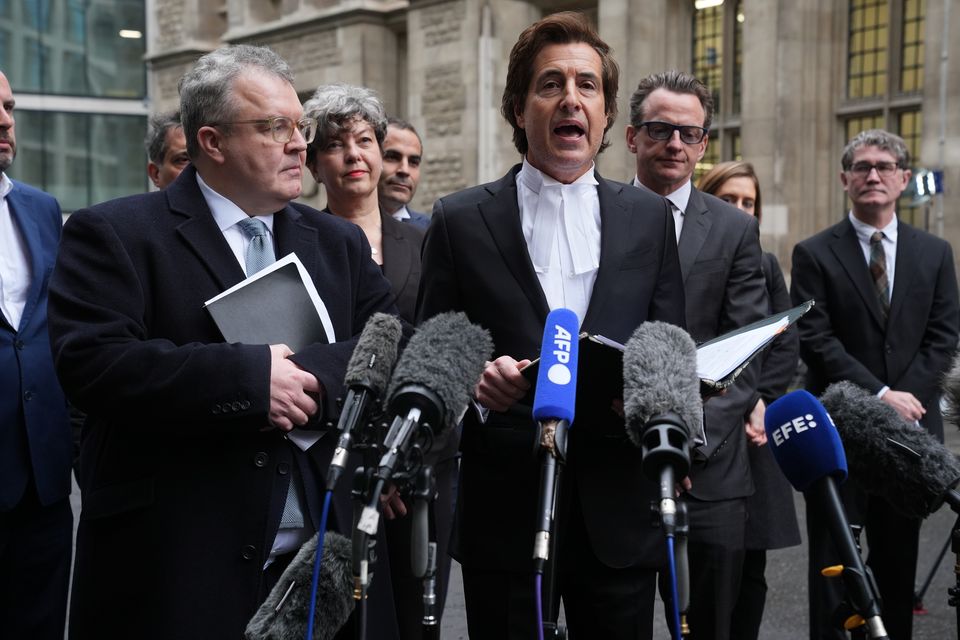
720, 261
771, 517
34, 427
475, 260
418, 219
843, 337
182, 485
401, 261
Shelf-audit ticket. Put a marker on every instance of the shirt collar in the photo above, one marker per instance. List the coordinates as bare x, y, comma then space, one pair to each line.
864, 230
6, 185
401, 214
533, 178
678, 198
226, 213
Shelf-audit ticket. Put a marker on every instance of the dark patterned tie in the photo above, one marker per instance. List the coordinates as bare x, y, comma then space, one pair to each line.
878, 269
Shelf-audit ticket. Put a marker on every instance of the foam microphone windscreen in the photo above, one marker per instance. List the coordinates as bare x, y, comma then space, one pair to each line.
283, 615
446, 356
556, 394
660, 376
373, 358
951, 393
888, 456
804, 440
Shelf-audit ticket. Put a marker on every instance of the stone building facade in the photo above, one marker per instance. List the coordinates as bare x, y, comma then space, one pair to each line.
794, 78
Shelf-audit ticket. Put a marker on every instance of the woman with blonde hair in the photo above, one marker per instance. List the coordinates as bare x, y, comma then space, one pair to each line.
771, 518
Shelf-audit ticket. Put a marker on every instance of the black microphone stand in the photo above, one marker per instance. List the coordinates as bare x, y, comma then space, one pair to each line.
553, 447
952, 498
423, 549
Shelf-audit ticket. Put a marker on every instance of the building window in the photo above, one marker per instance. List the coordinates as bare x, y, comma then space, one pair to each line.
717, 63
909, 128
708, 50
867, 53
911, 48
862, 123
80, 158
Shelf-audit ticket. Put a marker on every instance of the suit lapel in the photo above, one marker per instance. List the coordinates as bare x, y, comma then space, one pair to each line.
292, 236
614, 236
20, 205
907, 255
847, 249
696, 227
501, 214
199, 230
397, 263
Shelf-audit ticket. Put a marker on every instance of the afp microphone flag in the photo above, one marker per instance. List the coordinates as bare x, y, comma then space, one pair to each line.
556, 395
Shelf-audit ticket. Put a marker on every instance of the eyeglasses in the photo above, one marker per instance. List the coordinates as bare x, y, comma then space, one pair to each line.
282, 127
689, 134
884, 169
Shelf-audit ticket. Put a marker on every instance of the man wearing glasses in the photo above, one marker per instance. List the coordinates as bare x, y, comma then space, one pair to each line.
719, 249
885, 319
194, 498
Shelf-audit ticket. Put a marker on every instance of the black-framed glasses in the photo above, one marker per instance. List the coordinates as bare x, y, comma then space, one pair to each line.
282, 127
689, 134
884, 169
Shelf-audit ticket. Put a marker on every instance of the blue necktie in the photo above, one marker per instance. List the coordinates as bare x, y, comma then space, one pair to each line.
260, 250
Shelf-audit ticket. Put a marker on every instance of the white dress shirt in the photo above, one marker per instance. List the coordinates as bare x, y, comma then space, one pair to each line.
561, 224
228, 216
15, 273
678, 203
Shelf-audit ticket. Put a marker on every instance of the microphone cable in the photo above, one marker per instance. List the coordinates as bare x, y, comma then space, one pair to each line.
674, 592
318, 560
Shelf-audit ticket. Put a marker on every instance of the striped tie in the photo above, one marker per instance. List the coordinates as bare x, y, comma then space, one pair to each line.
878, 269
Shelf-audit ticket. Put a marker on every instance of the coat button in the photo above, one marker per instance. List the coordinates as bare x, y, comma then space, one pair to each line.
18, 344
216, 409
260, 459
244, 404
249, 552
283, 468
28, 395
235, 406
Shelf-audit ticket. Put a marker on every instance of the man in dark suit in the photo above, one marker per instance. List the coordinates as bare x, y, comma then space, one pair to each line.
885, 319
198, 482
36, 523
719, 249
402, 156
553, 233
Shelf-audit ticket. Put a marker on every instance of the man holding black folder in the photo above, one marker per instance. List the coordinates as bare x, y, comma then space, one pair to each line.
193, 495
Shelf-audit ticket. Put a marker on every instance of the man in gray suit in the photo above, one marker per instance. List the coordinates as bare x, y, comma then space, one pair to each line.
719, 249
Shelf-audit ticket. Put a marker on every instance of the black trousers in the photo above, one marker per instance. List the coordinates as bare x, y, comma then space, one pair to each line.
599, 601
715, 551
35, 548
892, 541
748, 609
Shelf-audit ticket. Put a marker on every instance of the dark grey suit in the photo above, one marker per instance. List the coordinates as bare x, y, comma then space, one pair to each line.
844, 337
720, 261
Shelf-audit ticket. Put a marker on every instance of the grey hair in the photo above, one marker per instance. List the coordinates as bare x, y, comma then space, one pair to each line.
156, 140
336, 105
677, 82
206, 91
882, 140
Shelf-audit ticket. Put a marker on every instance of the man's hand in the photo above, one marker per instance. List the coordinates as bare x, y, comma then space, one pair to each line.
391, 503
290, 405
905, 403
756, 433
502, 384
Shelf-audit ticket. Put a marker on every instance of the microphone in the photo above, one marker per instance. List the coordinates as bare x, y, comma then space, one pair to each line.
431, 385
662, 405
807, 447
366, 378
951, 393
554, 403
903, 464
283, 615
